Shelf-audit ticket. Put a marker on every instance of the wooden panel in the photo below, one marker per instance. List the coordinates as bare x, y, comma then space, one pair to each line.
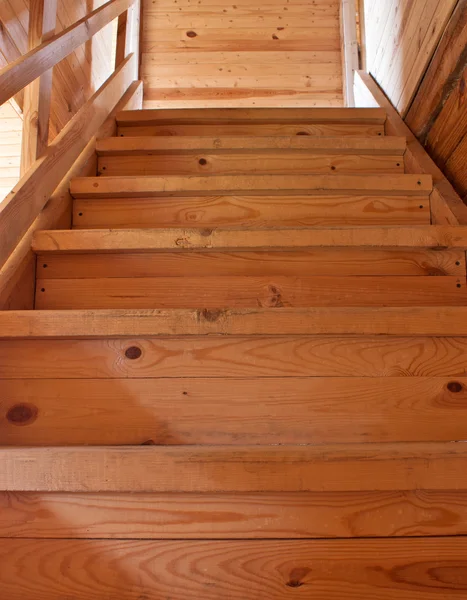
406, 321
195, 516
250, 211
151, 146
173, 185
319, 356
10, 148
162, 240
264, 33
179, 411
149, 468
322, 129
248, 292
339, 261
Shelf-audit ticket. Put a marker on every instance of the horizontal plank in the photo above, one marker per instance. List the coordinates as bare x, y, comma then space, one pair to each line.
276, 356
406, 321
315, 73
299, 263
173, 185
213, 20
213, 292
338, 467
327, 129
277, 410
150, 240
173, 57
238, 163
160, 145
250, 211
252, 115
234, 516
19, 73
331, 84
326, 569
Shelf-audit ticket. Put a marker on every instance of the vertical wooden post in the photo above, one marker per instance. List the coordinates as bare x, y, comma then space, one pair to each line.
36, 109
128, 34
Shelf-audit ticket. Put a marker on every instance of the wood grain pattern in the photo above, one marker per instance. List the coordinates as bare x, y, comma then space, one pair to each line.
234, 516
269, 468
340, 261
185, 411
248, 292
250, 211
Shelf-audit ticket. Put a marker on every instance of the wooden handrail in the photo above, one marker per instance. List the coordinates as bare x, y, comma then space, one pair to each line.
18, 74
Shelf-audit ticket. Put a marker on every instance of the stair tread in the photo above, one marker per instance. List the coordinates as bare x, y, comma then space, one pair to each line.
178, 185
130, 240
424, 321
213, 468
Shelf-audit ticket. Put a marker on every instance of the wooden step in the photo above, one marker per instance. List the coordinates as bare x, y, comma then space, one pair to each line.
213, 292
245, 122
172, 185
251, 211
162, 240
293, 263
208, 469
330, 569
196, 410
296, 145
401, 321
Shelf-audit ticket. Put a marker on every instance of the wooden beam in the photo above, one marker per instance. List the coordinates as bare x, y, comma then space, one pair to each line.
154, 240
122, 38
406, 321
349, 48
28, 67
447, 207
206, 469
36, 111
21, 207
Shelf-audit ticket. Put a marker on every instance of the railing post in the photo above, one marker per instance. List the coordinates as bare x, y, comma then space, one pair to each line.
36, 108
128, 34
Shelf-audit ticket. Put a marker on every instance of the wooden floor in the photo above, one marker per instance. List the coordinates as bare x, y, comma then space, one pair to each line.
247, 53
245, 376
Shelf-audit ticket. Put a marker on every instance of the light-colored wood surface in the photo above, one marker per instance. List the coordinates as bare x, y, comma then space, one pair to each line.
173, 185
321, 569
184, 411
25, 202
10, 148
237, 516
212, 468
248, 292
288, 55
250, 211
401, 321
148, 240
305, 262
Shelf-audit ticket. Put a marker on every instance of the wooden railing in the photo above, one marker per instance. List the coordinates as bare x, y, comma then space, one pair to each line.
45, 166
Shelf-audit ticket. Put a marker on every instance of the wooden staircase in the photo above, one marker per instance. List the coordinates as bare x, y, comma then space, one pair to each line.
246, 374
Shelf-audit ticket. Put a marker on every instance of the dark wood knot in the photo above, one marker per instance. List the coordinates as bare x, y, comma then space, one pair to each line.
455, 387
191, 34
133, 352
22, 414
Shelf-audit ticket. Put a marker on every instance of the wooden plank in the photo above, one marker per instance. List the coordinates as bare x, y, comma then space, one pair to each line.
236, 516
250, 211
247, 292
361, 116
237, 163
28, 67
173, 185
447, 203
182, 411
19, 210
154, 146
349, 48
37, 97
443, 73
299, 263
245, 57
306, 356
147, 240
338, 467
243, 20
252, 129
406, 321
334, 569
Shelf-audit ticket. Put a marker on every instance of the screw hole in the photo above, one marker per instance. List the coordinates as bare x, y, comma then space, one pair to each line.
42, 289
419, 183
333, 168
459, 285
458, 263
80, 214
398, 164
44, 266
421, 206
202, 161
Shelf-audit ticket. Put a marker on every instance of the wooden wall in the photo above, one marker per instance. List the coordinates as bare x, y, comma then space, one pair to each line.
75, 78
417, 51
241, 53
